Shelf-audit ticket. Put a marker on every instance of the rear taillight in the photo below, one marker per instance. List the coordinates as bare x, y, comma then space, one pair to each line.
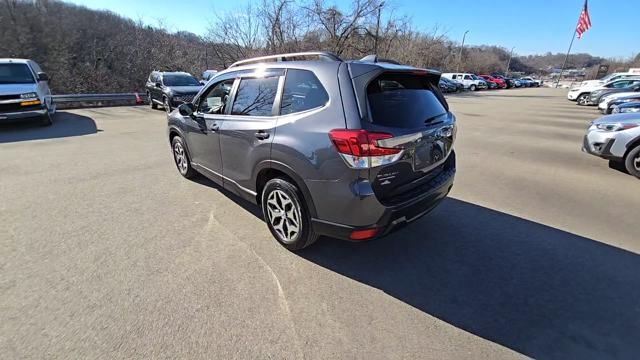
360, 149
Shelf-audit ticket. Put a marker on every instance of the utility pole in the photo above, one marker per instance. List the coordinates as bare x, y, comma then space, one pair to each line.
506, 73
461, 47
375, 44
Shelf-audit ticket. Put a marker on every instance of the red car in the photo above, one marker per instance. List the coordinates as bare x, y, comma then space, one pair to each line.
501, 84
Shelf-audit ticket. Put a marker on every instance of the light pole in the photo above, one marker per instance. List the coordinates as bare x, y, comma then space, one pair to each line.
506, 73
375, 44
461, 47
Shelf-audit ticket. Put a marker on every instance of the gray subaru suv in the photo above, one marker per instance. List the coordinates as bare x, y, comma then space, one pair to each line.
346, 149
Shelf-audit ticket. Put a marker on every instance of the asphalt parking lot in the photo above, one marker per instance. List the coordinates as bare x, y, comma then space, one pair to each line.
106, 252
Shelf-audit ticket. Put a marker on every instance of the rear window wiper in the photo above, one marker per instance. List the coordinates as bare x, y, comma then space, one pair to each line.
435, 119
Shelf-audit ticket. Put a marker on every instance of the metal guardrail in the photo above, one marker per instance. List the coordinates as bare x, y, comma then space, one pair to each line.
133, 97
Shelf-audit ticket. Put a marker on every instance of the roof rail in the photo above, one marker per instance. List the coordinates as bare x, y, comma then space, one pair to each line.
376, 59
321, 55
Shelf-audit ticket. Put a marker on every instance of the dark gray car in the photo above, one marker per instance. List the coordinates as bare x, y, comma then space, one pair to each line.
170, 89
347, 149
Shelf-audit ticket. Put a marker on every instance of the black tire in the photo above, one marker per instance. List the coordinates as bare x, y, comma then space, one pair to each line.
181, 158
166, 105
153, 105
632, 162
472, 88
46, 120
295, 209
583, 99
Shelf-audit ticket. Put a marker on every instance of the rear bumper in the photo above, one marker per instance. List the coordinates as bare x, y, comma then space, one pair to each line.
21, 115
395, 216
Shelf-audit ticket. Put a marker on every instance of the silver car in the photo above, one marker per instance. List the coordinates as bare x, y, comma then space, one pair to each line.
616, 138
24, 92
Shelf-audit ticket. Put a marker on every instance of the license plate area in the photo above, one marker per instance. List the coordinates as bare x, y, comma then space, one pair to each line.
427, 154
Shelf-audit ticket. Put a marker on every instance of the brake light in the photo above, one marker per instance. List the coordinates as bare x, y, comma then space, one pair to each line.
360, 149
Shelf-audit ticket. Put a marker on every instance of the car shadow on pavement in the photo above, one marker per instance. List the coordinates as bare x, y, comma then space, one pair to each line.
535, 289
65, 124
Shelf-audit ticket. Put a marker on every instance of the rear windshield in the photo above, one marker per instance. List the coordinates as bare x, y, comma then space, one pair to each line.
15, 74
406, 101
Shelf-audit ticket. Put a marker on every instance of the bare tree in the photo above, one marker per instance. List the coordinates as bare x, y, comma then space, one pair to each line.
339, 27
236, 35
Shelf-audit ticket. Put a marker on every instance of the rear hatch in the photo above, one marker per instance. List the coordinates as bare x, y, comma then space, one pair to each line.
406, 104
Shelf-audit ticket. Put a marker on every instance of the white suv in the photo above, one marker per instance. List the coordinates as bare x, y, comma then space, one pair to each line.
616, 138
24, 92
469, 81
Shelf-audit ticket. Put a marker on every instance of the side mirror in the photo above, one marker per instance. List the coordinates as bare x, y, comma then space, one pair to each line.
158, 84
43, 76
186, 109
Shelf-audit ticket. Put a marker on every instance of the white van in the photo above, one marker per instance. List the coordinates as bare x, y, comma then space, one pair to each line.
470, 81
24, 92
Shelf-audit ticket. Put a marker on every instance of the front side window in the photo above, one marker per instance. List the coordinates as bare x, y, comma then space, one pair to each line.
179, 80
467, 77
302, 91
16, 74
215, 101
255, 96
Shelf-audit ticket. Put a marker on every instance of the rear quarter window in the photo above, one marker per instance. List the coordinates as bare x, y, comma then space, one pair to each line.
403, 100
302, 91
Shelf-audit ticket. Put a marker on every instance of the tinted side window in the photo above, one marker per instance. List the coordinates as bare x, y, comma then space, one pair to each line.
467, 77
255, 96
216, 99
404, 101
453, 77
302, 91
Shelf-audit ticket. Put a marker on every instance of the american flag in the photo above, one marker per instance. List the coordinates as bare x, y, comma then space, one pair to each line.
584, 22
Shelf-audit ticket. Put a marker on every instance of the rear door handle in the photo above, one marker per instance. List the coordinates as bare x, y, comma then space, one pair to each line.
214, 127
261, 134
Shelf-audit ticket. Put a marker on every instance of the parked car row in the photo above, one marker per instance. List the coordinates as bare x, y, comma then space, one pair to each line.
615, 93
473, 82
615, 136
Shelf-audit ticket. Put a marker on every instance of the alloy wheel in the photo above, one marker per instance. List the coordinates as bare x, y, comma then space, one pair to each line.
181, 158
283, 215
582, 100
636, 162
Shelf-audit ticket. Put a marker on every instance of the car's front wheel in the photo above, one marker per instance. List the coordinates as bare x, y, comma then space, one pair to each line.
472, 88
152, 104
181, 158
632, 162
583, 99
46, 119
166, 104
286, 215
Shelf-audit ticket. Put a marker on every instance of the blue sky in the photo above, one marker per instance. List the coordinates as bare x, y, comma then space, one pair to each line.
532, 26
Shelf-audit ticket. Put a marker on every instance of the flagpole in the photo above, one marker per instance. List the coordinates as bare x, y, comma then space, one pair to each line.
575, 31
567, 56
